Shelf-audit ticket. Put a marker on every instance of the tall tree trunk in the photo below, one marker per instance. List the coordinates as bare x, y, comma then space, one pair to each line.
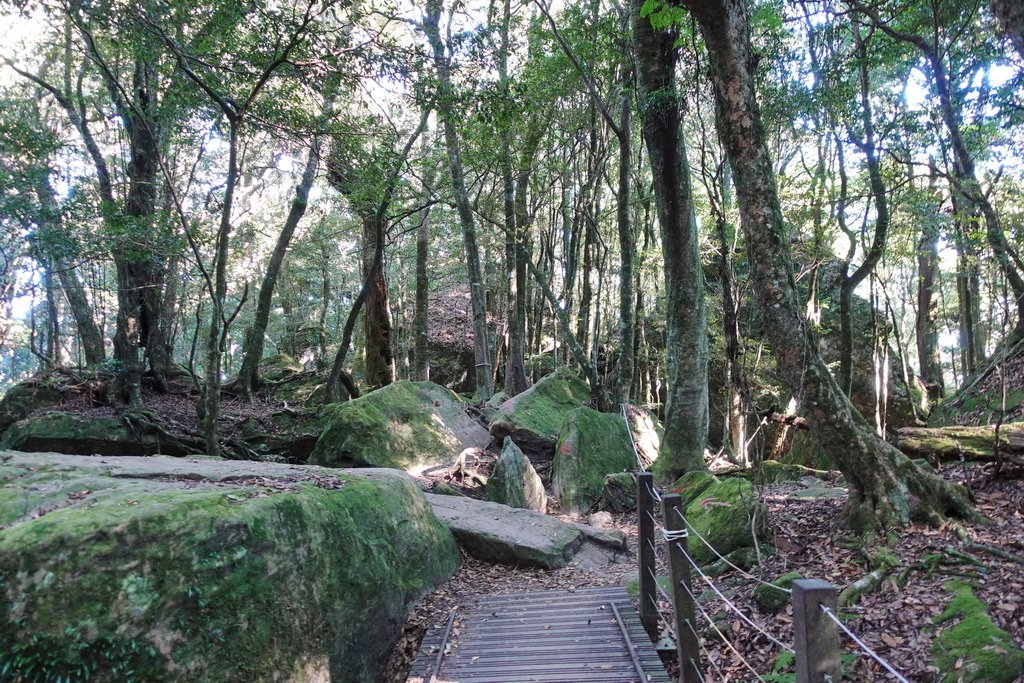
879, 196
248, 375
1010, 14
886, 488
686, 410
477, 292
627, 257
88, 331
218, 321
927, 331
421, 362
380, 358
968, 286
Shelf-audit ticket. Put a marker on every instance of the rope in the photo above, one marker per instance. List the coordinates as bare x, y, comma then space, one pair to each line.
871, 653
707, 655
721, 635
733, 606
671, 535
742, 572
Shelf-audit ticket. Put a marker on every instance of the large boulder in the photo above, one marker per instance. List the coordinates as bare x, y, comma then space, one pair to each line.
492, 532
406, 425
727, 513
534, 418
127, 434
591, 446
25, 398
203, 569
514, 482
619, 493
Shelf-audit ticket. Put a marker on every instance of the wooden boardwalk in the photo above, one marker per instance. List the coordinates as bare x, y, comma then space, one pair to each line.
589, 634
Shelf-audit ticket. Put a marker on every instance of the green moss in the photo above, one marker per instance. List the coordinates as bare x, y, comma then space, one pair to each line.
591, 446
278, 367
692, 484
974, 649
773, 472
541, 409
805, 451
216, 582
406, 425
771, 600
726, 513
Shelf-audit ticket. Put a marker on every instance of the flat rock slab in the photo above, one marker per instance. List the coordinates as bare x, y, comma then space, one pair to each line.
497, 533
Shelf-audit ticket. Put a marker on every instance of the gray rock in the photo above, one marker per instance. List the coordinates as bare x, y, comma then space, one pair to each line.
497, 533
514, 482
600, 519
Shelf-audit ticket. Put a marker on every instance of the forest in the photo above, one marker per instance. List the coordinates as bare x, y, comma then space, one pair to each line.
773, 236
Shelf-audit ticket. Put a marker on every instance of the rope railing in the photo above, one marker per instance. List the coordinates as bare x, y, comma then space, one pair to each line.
816, 625
860, 643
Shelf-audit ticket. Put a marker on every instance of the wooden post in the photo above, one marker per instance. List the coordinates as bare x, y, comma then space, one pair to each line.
815, 636
682, 593
648, 586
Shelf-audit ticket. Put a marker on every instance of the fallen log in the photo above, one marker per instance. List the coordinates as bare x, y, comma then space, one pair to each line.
938, 444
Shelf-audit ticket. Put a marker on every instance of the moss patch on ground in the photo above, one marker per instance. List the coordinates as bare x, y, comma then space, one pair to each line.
974, 648
139, 569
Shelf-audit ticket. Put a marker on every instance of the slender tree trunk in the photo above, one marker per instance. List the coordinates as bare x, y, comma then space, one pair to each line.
88, 331
248, 376
686, 410
218, 322
885, 487
477, 293
927, 331
627, 257
879, 196
421, 362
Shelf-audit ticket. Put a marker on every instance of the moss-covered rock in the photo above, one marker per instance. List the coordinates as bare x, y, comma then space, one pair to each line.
974, 648
279, 367
23, 399
774, 472
692, 484
804, 451
618, 493
951, 443
405, 425
514, 482
202, 569
534, 418
591, 446
71, 433
726, 513
769, 598
493, 404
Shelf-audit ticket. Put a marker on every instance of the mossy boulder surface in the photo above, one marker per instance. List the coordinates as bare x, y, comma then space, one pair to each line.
279, 367
534, 418
23, 399
89, 435
769, 598
406, 425
591, 446
974, 648
726, 513
692, 484
774, 472
202, 569
514, 482
618, 493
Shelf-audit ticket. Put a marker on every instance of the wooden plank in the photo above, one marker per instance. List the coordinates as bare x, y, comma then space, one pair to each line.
555, 636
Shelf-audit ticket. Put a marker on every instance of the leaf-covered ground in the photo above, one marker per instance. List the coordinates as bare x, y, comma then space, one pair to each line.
896, 620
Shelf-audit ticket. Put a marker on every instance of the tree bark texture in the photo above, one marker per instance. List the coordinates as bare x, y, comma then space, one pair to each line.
380, 358
885, 487
927, 331
686, 410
